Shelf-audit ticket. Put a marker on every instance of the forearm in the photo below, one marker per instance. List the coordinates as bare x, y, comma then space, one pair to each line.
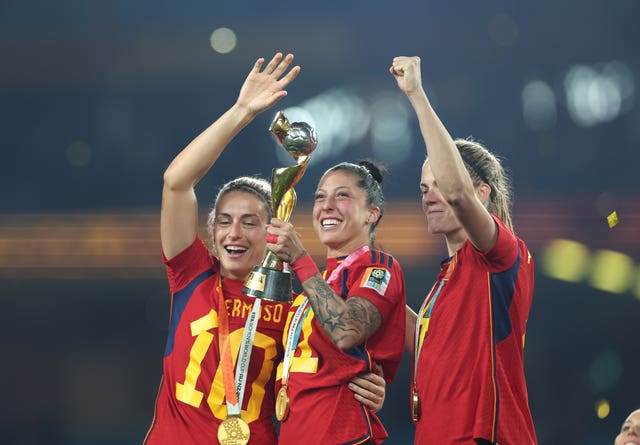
179, 214
348, 323
445, 160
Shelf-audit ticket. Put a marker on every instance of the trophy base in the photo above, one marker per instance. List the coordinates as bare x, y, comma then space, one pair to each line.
268, 284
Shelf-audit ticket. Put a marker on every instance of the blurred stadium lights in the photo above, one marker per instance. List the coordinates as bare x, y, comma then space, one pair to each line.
223, 40
593, 95
78, 153
605, 370
612, 271
603, 408
600, 93
390, 127
605, 270
539, 108
343, 119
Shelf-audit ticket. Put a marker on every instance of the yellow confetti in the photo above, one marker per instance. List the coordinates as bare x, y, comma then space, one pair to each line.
612, 219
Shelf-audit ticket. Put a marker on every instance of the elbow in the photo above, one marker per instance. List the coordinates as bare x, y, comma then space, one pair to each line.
171, 180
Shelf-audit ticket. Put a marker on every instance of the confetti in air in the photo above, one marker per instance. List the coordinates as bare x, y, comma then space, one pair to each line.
612, 219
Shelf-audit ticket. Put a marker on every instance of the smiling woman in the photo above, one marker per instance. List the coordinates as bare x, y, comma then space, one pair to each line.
198, 400
350, 319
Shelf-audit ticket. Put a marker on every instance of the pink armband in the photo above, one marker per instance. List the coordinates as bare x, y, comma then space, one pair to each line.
304, 268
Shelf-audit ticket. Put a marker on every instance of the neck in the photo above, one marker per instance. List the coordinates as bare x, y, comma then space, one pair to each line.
226, 273
455, 240
347, 248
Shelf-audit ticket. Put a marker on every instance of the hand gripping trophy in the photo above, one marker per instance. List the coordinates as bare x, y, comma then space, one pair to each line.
270, 281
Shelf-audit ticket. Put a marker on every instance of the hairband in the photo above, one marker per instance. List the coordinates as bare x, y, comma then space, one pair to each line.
476, 169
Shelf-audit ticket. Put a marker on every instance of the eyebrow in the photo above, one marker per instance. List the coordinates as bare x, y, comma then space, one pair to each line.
244, 215
340, 187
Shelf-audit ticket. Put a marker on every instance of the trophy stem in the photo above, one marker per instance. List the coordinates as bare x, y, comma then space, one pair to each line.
271, 261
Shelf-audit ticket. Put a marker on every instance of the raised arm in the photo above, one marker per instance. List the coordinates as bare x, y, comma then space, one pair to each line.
451, 177
348, 323
179, 215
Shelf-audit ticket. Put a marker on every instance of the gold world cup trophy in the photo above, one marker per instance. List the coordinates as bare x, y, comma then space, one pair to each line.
269, 280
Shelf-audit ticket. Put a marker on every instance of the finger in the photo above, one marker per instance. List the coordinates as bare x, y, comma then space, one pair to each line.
283, 65
272, 239
292, 74
368, 402
366, 387
257, 65
362, 391
273, 63
397, 70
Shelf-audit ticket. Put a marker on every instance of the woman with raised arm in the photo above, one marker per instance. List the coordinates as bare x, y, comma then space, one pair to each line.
468, 379
349, 319
198, 401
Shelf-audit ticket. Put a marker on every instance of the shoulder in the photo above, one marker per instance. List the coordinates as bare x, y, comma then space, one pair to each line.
378, 258
189, 264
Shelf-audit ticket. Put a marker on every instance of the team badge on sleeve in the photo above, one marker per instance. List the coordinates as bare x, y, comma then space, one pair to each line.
377, 279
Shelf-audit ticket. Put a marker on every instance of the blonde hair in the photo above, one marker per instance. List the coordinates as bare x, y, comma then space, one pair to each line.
484, 166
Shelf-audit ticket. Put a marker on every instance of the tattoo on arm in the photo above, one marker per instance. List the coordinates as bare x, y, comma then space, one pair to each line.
349, 323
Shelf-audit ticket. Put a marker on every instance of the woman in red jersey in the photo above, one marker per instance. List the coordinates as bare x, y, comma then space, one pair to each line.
348, 318
198, 401
468, 385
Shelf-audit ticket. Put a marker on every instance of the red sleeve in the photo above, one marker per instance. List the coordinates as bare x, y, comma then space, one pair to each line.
380, 283
505, 252
188, 264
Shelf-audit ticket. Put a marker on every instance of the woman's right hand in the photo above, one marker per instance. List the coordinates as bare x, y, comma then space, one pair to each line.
406, 71
264, 87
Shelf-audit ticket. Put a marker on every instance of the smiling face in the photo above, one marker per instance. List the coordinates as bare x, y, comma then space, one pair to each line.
341, 216
239, 233
440, 216
630, 431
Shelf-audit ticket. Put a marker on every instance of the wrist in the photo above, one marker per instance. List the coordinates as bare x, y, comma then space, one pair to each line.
304, 267
243, 112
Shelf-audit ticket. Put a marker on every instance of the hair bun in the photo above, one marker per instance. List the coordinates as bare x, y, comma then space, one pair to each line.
375, 169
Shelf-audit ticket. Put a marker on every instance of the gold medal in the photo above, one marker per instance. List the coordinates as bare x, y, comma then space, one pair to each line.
415, 405
233, 431
282, 404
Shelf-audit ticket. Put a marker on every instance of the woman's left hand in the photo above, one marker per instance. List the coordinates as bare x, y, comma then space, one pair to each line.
369, 389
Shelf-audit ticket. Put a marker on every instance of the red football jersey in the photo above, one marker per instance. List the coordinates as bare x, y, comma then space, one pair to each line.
191, 403
322, 410
470, 375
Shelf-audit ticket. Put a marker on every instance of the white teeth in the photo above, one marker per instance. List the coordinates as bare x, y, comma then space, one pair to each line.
234, 249
330, 222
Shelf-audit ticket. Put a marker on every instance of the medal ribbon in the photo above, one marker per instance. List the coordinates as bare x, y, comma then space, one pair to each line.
425, 314
303, 310
235, 395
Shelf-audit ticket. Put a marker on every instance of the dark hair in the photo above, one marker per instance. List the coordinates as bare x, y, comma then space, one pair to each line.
255, 186
484, 166
369, 174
